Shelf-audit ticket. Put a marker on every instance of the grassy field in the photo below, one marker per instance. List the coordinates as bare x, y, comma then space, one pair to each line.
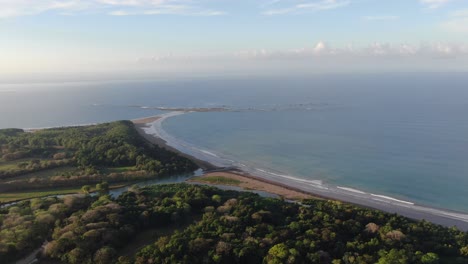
219, 180
47, 173
11, 165
17, 196
118, 169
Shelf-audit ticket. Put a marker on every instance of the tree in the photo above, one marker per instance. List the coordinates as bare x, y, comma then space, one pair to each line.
102, 188
216, 198
105, 255
277, 254
85, 189
464, 251
76, 255
430, 258
393, 257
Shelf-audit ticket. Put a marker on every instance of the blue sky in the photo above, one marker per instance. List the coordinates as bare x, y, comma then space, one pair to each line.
216, 36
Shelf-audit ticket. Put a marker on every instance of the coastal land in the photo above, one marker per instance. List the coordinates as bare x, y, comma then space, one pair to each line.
69, 160
216, 217
286, 186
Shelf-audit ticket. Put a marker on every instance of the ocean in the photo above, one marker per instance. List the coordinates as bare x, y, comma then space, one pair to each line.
399, 135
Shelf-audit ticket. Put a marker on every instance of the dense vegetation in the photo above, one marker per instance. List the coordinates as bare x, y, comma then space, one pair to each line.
75, 156
224, 227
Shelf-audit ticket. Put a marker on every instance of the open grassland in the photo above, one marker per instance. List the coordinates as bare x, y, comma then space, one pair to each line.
18, 196
119, 169
52, 172
12, 165
46, 173
15, 196
215, 179
16, 164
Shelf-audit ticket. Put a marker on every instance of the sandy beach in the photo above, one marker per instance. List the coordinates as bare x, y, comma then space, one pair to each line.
145, 120
289, 186
249, 182
142, 124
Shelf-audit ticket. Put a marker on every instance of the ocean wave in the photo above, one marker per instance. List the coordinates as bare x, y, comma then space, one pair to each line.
350, 190
209, 153
310, 182
391, 199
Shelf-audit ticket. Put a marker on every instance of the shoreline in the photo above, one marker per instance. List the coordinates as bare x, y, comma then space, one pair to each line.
155, 134
144, 123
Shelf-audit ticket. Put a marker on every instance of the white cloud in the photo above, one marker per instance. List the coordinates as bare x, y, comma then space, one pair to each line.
433, 4
12, 8
319, 57
435, 50
380, 18
303, 7
320, 48
323, 52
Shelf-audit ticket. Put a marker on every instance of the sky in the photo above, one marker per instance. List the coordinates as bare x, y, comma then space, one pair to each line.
216, 37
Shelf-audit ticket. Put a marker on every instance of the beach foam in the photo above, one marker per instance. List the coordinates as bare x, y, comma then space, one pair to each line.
391, 199
209, 153
350, 190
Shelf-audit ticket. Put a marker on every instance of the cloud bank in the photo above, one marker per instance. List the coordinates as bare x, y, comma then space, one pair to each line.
319, 58
436, 50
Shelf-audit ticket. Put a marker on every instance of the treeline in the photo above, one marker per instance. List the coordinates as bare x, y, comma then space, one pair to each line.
234, 227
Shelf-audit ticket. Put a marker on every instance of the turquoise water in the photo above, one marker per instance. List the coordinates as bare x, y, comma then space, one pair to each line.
401, 135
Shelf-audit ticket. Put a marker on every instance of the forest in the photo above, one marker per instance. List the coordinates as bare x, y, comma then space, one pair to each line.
76, 156
201, 224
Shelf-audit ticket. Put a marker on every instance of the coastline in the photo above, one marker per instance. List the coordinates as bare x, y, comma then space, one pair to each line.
209, 161
142, 124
